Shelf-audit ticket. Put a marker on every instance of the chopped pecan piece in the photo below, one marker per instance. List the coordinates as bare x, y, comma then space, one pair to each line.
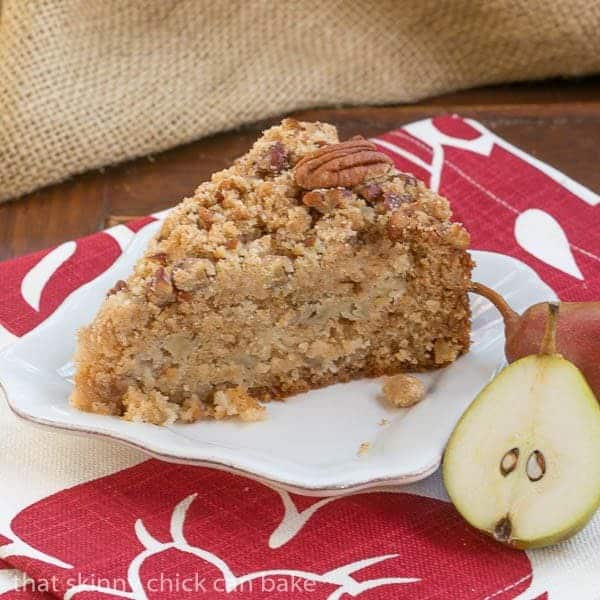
184, 296
371, 192
160, 288
409, 179
276, 161
325, 200
347, 164
396, 225
279, 158
205, 216
292, 123
119, 286
160, 257
392, 201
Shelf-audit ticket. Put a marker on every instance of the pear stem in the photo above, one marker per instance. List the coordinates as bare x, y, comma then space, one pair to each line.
549, 340
495, 298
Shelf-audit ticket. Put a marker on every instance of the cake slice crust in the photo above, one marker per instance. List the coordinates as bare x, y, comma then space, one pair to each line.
306, 263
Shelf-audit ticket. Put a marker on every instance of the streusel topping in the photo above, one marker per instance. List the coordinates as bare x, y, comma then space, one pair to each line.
255, 209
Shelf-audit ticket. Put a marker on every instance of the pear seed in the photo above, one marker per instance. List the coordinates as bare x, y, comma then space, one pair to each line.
536, 466
503, 529
509, 461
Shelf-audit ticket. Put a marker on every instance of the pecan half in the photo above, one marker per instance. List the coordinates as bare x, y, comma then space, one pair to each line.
346, 164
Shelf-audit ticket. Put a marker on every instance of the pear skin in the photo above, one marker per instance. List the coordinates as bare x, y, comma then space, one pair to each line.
577, 332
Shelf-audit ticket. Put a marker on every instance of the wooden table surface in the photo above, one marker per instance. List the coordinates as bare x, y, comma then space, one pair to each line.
557, 121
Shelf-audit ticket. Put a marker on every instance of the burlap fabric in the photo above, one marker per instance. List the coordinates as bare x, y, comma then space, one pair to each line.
85, 83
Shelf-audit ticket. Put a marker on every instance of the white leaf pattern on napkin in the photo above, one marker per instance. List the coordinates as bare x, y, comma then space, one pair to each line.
35, 281
541, 234
121, 234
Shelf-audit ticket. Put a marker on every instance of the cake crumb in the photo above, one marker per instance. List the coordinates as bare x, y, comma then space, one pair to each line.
238, 402
383, 423
363, 448
151, 408
403, 390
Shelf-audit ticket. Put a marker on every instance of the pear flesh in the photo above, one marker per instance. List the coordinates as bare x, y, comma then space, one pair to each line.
523, 463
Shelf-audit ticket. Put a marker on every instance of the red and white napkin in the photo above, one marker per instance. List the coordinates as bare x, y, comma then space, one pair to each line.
89, 519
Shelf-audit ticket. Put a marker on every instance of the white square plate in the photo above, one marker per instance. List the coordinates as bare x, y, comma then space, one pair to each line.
308, 444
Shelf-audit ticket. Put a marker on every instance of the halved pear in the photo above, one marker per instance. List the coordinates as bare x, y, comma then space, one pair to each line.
523, 463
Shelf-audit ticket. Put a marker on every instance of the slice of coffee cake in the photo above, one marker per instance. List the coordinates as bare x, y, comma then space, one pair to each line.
308, 262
